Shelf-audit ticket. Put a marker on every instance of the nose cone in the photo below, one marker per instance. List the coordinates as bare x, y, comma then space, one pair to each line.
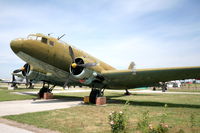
16, 45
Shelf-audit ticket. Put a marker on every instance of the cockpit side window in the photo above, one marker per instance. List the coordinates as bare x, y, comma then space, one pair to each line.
51, 43
44, 40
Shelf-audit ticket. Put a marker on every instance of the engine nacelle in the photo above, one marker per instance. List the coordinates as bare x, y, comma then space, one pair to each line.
36, 76
85, 75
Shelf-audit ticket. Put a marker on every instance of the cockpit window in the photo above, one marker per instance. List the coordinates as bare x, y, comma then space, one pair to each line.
39, 38
32, 37
44, 40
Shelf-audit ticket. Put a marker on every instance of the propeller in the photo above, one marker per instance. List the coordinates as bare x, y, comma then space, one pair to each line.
25, 70
75, 64
71, 53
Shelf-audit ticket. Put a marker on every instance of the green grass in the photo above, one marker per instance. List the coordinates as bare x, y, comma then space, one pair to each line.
8, 95
91, 118
184, 90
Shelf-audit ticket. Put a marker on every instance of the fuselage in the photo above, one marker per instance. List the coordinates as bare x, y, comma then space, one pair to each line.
52, 51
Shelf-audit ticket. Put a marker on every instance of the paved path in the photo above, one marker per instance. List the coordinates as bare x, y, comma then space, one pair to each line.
9, 126
25, 106
11, 129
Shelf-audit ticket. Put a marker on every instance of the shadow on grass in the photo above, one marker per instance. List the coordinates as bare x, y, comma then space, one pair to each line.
133, 103
132, 94
153, 104
110, 100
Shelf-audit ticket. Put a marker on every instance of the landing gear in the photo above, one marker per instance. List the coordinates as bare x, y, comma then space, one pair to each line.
127, 93
45, 88
164, 87
31, 86
94, 94
12, 87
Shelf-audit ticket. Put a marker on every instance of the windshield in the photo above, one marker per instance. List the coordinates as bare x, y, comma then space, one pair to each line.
32, 37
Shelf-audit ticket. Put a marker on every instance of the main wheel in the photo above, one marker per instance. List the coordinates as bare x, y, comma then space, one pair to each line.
164, 89
42, 91
93, 95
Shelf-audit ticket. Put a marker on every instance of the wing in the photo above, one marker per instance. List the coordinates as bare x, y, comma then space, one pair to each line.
120, 79
11, 82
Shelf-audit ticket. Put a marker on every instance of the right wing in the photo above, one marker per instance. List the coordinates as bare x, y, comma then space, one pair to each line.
124, 79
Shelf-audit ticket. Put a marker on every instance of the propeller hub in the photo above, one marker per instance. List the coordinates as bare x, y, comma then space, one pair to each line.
23, 68
74, 65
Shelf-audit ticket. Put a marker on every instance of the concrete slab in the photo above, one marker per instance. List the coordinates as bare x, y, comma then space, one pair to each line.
26, 106
11, 129
9, 126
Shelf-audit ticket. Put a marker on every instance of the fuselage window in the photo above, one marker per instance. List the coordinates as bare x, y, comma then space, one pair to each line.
44, 40
51, 43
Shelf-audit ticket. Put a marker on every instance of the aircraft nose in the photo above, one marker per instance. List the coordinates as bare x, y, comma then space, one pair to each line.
16, 45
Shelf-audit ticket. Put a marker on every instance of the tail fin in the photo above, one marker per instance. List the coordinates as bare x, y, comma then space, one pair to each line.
131, 66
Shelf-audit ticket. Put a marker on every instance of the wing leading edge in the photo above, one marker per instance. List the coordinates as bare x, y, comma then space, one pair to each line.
123, 79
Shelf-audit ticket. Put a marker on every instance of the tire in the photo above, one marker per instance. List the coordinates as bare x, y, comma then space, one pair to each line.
93, 95
163, 89
42, 91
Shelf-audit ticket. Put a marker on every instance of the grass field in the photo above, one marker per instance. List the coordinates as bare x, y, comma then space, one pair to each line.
8, 95
91, 118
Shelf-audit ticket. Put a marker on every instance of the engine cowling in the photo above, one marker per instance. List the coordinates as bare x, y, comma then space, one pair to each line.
85, 75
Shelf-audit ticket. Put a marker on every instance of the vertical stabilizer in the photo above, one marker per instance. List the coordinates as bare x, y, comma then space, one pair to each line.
131, 66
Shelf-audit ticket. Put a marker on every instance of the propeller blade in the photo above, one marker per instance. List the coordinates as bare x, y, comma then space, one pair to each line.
17, 71
71, 52
13, 78
86, 65
66, 83
27, 82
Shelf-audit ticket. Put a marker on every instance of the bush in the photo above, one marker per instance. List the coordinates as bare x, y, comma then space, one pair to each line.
117, 121
145, 127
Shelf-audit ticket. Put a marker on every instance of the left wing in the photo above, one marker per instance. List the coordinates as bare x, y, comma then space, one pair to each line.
124, 79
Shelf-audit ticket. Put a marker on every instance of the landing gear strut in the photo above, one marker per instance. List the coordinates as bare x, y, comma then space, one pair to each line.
94, 94
164, 87
31, 85
127, 92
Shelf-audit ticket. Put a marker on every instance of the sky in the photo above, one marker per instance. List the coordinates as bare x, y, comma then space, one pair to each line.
152, 33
